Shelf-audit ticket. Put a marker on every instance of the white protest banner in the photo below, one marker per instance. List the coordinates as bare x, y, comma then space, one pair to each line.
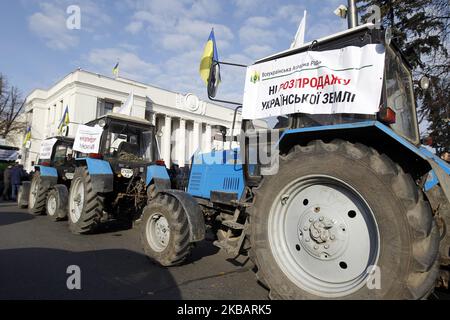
47, 148
347, 80
87, 139
8, 155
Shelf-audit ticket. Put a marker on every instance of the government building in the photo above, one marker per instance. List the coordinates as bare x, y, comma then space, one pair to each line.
184, 123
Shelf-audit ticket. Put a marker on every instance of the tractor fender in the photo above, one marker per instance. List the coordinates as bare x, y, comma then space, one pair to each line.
193, 211
158, 176
49, 176
413, 158
101, 174
440, 173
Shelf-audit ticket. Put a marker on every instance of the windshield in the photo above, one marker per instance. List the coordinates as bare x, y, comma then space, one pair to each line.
400, 97
130, 143
63, 154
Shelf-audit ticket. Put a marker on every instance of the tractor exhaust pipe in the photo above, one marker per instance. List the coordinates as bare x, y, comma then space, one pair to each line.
352, 14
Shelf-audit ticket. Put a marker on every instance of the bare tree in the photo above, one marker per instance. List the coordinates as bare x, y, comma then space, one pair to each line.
11, 106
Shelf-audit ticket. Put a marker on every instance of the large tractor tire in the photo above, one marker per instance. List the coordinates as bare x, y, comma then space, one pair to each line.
23, 195
57, 200
340, 220
85, 206
165, 231
38, 195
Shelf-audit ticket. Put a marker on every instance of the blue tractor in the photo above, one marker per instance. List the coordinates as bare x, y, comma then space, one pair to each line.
117, 180
47, 193
357, 208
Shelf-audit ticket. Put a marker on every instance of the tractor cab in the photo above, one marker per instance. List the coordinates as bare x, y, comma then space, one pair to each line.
126, 142
395, 113
47, 191
60, 156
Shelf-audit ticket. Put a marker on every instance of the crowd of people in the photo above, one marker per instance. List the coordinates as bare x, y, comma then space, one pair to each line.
11, 179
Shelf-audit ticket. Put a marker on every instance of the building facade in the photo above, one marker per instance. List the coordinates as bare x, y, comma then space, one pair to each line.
184, 123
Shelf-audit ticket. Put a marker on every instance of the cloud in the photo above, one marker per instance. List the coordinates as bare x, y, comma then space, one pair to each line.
134, 27
50, 25
257, 31
245, 8
131, 65
257, 51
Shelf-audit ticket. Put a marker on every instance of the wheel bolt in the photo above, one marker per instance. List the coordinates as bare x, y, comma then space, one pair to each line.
326, 246
307, 239
311, 220
305, 229
321, 219
316, 247
332, 237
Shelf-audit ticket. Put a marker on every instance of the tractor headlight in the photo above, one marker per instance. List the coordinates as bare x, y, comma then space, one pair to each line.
126, 173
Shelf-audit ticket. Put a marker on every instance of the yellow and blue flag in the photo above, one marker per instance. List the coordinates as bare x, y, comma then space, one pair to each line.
116, 70
209, 57
27, 135
64, 120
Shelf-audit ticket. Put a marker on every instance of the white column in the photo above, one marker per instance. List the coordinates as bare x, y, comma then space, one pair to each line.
167, 134
181, 143
196, 136
207, 137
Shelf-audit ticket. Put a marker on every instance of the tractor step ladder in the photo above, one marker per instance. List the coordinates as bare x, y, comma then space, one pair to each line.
229, 243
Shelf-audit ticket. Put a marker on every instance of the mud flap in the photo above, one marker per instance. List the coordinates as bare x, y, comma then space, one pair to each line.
194, 214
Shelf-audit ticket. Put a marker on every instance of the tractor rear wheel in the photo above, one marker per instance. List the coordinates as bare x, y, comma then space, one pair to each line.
85, 205
165, 231
57, 200
339, 220
38, 195
23, 195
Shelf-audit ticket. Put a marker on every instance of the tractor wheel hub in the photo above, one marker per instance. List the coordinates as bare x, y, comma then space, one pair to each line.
322, 237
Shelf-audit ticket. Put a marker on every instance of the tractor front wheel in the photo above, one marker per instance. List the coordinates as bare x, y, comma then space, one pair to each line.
57, 202
165, 231
339, 220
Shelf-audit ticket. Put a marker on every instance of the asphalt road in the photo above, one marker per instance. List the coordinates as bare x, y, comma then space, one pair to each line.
36, 252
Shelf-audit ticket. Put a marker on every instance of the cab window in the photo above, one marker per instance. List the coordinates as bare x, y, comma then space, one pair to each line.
400, 96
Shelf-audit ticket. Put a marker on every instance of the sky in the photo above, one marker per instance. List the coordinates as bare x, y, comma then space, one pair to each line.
158, 42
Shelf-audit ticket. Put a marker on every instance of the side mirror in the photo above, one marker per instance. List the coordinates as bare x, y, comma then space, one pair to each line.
214, 79
424, 83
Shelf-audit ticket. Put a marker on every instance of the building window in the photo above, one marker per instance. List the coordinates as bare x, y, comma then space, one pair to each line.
104, 107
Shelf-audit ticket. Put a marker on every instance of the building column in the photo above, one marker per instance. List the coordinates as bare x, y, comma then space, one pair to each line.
196, 136
208, 138
181, 143
166, 140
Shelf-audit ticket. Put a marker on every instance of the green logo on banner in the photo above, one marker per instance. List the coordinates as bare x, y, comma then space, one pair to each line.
255, 77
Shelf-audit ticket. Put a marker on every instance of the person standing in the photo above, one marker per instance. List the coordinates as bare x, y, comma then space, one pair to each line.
7, 183
16, 180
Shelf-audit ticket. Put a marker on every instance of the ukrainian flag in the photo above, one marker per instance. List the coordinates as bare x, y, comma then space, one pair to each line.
210, 56
65, 120
116, 70
27, 135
